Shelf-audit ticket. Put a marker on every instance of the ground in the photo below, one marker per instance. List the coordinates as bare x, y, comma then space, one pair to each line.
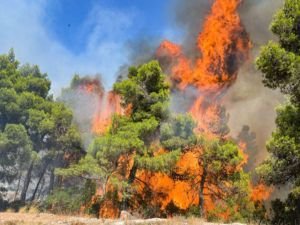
50, 219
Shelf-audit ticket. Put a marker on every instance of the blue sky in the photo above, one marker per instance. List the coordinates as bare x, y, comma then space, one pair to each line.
80, 36
67, 19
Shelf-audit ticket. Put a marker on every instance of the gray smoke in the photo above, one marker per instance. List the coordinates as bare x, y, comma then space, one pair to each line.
248, 102
257, 15
140, 51
84, 105
190, 16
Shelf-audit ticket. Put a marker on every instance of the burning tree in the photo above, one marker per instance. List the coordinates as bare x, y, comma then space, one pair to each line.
220, 163
128, 145
148, 155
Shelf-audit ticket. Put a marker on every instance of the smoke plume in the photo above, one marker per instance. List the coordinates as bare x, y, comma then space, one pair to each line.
82, 97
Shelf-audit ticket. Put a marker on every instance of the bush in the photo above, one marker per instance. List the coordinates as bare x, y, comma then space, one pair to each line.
3, 202
16, 205
288, 212
64, 200
70, 200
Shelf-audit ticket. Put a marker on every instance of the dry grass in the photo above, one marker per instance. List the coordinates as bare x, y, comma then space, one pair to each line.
178, 221
34, 218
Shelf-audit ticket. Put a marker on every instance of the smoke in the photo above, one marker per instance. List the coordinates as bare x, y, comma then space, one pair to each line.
248, 102
140, 51
257, 16
189, 16
83, 97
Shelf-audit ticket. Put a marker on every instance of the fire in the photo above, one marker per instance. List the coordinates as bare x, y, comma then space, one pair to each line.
90, 85
169, 190
224, 45
242, 149
108, 105
260, 192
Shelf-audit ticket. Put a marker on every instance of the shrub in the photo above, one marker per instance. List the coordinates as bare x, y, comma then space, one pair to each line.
69, 200
64, 200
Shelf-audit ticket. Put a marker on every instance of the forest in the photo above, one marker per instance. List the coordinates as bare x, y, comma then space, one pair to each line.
159, 143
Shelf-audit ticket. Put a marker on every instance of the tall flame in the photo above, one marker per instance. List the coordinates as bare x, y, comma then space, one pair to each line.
224, 45
108, 105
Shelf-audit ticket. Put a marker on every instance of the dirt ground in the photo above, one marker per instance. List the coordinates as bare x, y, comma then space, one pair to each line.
50, 219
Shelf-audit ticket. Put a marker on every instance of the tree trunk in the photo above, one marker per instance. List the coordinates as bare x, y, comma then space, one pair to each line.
26, 182
132, 174
131, 179
18, 186
41, 189
298, 212
39, 181
51, 182
201, 192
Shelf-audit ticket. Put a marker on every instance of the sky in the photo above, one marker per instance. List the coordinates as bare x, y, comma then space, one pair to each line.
87, 37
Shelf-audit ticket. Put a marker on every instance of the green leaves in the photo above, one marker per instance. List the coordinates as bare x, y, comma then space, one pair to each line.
161, 163
279, 67
87, 167
286, 26
31, 122
220, 157
145, 91
178, 132
280, 64
15, 151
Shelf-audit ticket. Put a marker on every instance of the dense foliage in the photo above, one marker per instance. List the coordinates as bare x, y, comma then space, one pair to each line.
280, 64
36, 133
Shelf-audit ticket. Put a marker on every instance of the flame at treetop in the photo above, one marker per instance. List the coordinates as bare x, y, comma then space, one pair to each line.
223, 45
106, 103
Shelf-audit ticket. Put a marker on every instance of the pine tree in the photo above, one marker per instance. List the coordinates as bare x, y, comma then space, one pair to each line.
280, 64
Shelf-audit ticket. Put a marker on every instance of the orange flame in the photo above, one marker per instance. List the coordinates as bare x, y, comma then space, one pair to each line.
260, 192
242, 149
108, 105
224, 45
